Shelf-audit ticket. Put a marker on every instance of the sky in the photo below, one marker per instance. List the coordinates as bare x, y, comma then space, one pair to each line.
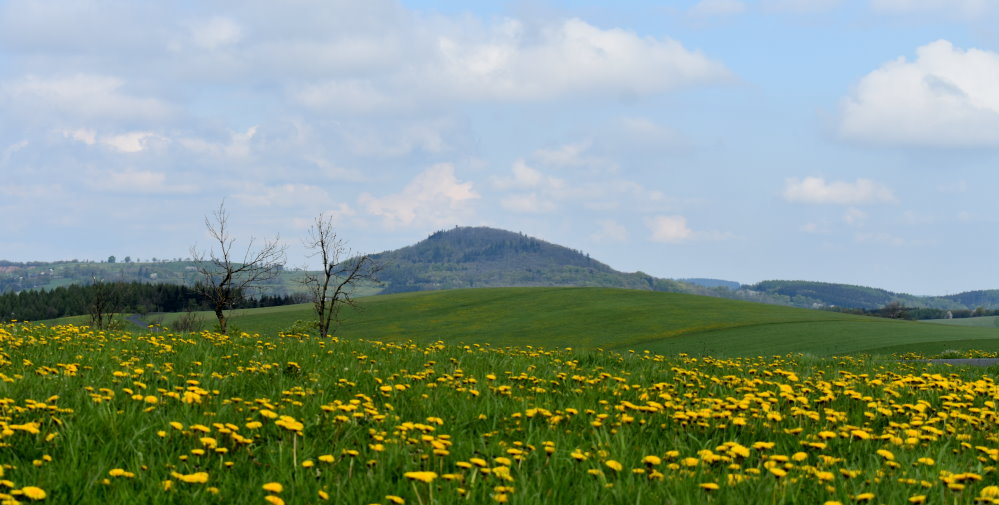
852, 141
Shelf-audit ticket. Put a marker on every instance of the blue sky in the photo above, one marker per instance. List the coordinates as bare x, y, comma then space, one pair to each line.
823, 140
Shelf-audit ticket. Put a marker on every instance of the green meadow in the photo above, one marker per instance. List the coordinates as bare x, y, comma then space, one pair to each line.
618, 319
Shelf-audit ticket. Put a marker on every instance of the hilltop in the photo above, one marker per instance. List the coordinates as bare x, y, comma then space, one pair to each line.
470, 257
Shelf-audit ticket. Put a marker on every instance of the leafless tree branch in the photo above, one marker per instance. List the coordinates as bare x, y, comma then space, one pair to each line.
342, 272
224, 279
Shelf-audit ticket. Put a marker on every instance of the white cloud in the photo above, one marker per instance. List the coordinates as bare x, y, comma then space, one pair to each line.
84, 135
507, 61
87, 96
575, 155
946, 97
136, 181
131, 142
669, 229
525, 177
215, 32
434, 196
819, 191
610, 231
238, 147
709, 8
571, 57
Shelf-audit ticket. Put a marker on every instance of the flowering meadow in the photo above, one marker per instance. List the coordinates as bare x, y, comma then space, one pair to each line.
159, 417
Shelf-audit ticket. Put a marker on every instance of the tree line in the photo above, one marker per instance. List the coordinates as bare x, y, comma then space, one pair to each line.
117, 297
896, 310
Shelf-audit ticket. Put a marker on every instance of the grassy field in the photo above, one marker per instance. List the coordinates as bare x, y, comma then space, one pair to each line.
156, 418
590, 318
978, 322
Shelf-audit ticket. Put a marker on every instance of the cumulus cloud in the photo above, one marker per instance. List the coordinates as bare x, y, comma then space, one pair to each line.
817, 190
506, 61
570, 57
669, 229
946, 97
710, 8
435, 197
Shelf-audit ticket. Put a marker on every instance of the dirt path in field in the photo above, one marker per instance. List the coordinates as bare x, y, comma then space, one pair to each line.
136, 320
966, 361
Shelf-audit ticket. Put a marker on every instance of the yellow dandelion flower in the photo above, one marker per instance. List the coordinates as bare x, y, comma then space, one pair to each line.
274, 500
421, 476
33, 492
708, 486
864, 497
273, 487
613, 465
919, 498
652, 460
397, 500
194, 478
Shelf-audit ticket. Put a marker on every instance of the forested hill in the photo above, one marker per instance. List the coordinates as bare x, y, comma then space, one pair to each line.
471, 257
825, 294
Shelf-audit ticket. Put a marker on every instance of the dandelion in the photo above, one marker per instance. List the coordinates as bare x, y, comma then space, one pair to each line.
274, 500
194, 478
33, 492
273, 487
613, 465
397, 500
652, 460
427, 477
708, 486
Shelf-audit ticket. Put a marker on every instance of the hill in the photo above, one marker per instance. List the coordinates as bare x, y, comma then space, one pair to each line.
470, 257
620, 319
825, 294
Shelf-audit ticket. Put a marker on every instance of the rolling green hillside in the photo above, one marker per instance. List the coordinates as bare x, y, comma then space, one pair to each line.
624, 319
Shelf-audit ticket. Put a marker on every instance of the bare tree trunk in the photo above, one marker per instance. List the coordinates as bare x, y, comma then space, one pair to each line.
341, 274
224, 279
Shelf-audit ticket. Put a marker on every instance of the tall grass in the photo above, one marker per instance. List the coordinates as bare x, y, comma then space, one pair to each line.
117, 417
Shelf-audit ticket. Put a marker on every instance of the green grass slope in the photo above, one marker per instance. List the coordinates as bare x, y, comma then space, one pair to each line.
623, 319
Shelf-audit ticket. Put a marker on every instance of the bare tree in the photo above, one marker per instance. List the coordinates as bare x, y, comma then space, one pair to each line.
342, 273
224, 276
104, 302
